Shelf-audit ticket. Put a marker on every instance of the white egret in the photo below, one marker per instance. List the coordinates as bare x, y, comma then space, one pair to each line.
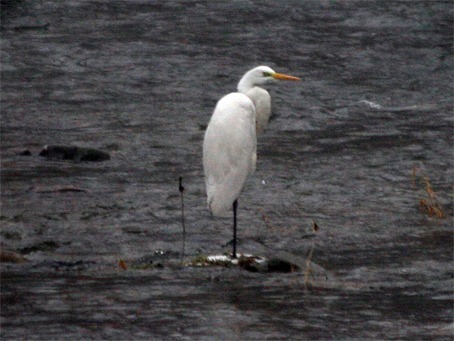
230, 143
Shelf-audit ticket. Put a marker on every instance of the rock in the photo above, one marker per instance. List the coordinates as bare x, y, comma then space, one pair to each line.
25, 153
45, 246
284, 262
287, 262
276, 263
73, 153
12, 257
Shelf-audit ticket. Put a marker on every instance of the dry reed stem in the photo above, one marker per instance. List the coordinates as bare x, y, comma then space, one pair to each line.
430, 206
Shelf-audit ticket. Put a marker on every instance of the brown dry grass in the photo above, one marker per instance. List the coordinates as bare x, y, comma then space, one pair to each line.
429, 205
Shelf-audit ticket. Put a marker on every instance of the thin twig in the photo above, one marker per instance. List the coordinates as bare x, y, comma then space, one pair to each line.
181, 189
308, 267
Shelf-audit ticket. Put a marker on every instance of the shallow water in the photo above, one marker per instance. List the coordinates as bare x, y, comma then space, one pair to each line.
139, 79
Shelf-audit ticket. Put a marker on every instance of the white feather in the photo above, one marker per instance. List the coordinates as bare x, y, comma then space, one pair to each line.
229, 151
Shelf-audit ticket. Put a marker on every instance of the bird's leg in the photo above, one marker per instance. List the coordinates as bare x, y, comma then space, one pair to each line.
235, 205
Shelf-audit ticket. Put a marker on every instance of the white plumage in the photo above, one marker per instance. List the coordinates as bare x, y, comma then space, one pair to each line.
229, 151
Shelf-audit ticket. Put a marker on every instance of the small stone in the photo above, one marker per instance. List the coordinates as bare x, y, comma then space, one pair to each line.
12, 257
26, 152
73, 153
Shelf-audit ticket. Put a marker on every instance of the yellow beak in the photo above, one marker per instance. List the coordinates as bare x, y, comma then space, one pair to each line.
281, 76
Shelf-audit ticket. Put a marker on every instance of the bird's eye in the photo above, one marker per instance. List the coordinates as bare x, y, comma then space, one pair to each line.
266, 74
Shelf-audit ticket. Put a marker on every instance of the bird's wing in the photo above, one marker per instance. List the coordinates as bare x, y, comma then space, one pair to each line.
229, 151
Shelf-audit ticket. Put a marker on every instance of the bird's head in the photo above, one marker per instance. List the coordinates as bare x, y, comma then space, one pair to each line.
261, 75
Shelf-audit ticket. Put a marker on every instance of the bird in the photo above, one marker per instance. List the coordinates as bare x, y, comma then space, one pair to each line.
230, 141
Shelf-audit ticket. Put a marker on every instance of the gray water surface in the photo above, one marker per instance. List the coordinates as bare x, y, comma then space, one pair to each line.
139, 80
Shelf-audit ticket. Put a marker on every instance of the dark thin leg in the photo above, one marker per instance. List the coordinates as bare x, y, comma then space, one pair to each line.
235, 205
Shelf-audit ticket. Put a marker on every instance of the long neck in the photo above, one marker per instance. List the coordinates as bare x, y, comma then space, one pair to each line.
262, 102
251, 90
245, 84
254, 92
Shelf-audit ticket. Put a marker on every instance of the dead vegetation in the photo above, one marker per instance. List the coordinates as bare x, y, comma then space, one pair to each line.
429, 205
